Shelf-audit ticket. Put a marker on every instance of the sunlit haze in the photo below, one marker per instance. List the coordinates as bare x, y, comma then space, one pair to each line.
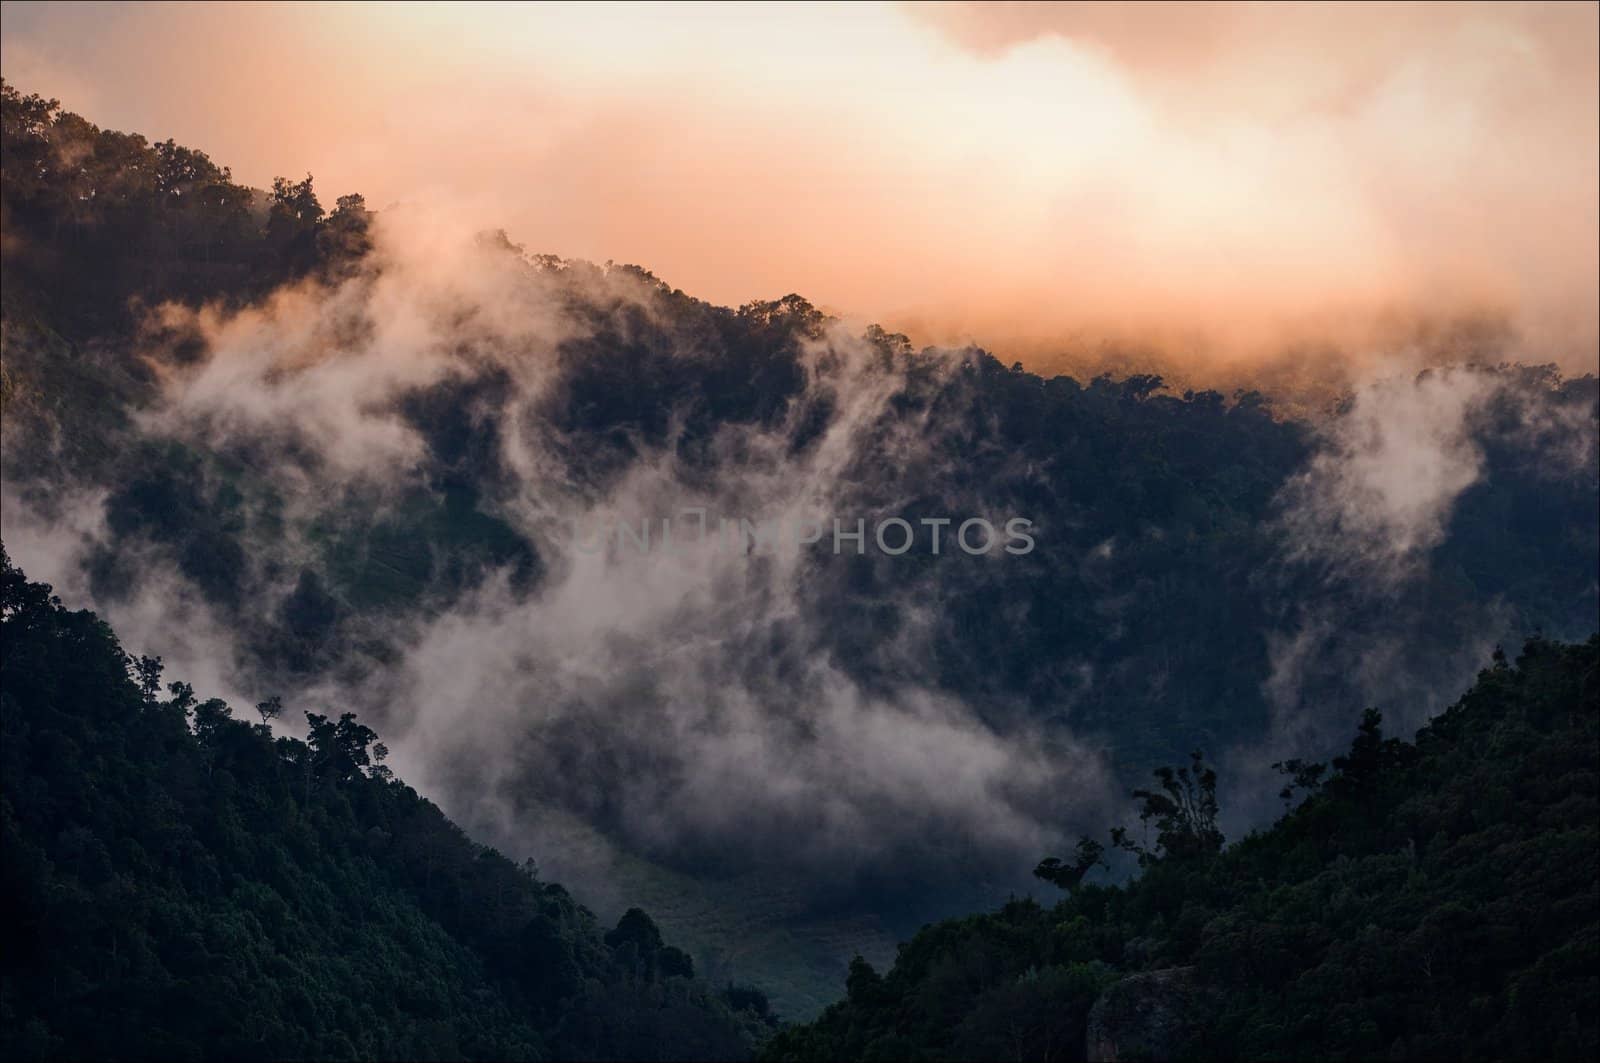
1009, 174
774, 532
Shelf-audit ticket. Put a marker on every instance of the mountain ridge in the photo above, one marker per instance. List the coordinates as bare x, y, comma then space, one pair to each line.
1424, 900
185, 885
317, 454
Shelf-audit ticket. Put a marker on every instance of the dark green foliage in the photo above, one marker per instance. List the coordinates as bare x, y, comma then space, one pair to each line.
179, 884
637, 929
100, 222
1144, 618
1145, 613
1053, 871
1184, 811
1434, 900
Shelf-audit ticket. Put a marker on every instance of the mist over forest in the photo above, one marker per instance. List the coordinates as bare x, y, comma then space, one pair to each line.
324, 461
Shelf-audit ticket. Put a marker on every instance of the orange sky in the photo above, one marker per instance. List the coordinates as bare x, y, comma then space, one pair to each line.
1021, 175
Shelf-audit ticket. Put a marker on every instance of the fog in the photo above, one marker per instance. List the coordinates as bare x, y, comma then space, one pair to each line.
1217, 184
1319, 202
677, 702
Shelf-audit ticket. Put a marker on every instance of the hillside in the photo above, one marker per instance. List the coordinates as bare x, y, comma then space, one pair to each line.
180, 884
327, 454
1436, 899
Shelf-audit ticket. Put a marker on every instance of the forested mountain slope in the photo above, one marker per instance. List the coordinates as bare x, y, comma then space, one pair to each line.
1146, 616
1436, 899
180, 884
328, 454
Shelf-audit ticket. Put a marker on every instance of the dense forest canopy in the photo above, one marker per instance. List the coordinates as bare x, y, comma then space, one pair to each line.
189, 885
1436, 899
319, 455
183, 884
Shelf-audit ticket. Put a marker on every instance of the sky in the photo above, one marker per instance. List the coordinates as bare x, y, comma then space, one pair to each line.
1211, 178
1221, 182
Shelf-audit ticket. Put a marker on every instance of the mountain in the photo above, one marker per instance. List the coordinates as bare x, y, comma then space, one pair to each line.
180, 884
336, 457
1435, 899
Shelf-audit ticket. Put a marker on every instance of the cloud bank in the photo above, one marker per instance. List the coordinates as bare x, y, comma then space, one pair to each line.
1215, 183
682, 703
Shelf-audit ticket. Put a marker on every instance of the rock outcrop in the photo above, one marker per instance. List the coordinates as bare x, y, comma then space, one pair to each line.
1151, 1015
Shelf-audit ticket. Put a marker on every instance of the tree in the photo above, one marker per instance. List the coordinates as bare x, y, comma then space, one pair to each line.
147, 673
1372, 758
863, 985
343, 240
292, 224
1139, 386
339, 750
1184, 811
269, 710
295, 208
210, 714
380, 770
1303, 775
182, 699
1066, 876
638, 929
25, 153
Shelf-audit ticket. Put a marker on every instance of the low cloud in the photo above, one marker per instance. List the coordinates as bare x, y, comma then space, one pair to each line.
1361, 526
685, 704
1224, 185
1379, 494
